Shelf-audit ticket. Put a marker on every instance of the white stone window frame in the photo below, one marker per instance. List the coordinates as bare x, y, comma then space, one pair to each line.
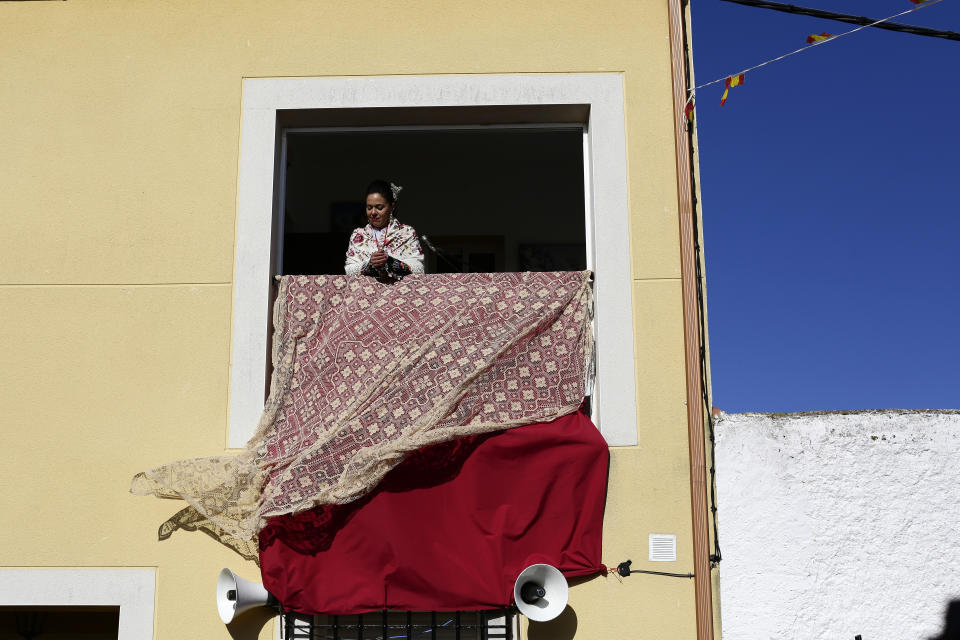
605, 180
132, 590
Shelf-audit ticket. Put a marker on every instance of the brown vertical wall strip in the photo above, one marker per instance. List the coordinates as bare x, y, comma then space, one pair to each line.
691, 329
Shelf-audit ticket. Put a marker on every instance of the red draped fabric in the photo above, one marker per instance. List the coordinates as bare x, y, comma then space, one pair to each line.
451, 527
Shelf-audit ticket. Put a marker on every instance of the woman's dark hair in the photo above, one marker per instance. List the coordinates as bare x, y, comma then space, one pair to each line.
383, 188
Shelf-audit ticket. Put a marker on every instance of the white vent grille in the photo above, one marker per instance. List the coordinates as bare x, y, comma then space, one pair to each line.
663, 547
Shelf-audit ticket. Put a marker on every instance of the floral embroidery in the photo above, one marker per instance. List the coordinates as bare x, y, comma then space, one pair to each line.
400, 242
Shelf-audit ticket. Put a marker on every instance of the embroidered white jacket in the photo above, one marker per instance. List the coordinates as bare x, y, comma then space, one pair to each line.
400, 243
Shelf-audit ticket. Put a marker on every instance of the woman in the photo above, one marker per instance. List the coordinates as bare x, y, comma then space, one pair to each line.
384, 249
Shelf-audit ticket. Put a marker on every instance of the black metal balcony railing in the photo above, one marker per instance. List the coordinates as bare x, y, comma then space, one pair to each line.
397, 625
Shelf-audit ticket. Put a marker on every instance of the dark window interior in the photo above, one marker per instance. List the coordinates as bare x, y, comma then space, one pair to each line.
490, 199
59, 623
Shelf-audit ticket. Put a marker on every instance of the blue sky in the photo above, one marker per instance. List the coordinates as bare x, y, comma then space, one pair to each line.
831, 210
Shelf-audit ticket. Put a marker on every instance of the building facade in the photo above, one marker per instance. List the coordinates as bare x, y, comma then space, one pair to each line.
145, 150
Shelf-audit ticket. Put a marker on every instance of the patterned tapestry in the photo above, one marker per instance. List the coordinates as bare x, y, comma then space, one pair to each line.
366, 372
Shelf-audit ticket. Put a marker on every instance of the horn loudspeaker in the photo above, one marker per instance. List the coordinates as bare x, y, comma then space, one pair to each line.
541, 592
236, 595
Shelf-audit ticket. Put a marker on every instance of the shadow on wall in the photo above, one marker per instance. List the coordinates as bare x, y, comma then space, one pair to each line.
249, 624
563, 627
951, 623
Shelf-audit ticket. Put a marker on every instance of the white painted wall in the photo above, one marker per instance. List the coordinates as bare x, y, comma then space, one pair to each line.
833, 525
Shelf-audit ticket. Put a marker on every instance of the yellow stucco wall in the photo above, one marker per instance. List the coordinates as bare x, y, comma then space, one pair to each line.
119, 135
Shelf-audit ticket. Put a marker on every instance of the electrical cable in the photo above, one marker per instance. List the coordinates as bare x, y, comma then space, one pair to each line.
929, 3
849, 19
663, 573
623, 570
716, 556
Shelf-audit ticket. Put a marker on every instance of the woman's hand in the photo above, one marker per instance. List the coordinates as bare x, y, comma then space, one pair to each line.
379, 258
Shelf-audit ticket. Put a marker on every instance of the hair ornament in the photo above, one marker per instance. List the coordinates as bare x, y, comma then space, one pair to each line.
395, 189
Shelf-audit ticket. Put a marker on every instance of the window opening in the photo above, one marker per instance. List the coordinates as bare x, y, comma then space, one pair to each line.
593, 102
488, 198
90, 623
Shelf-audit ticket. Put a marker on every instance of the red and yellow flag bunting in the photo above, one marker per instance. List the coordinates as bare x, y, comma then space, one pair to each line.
731, 81
813, 38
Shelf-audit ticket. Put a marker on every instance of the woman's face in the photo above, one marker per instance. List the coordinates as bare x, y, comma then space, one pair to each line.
378, 210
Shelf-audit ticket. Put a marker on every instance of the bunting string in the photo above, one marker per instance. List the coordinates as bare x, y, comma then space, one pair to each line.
816, 42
